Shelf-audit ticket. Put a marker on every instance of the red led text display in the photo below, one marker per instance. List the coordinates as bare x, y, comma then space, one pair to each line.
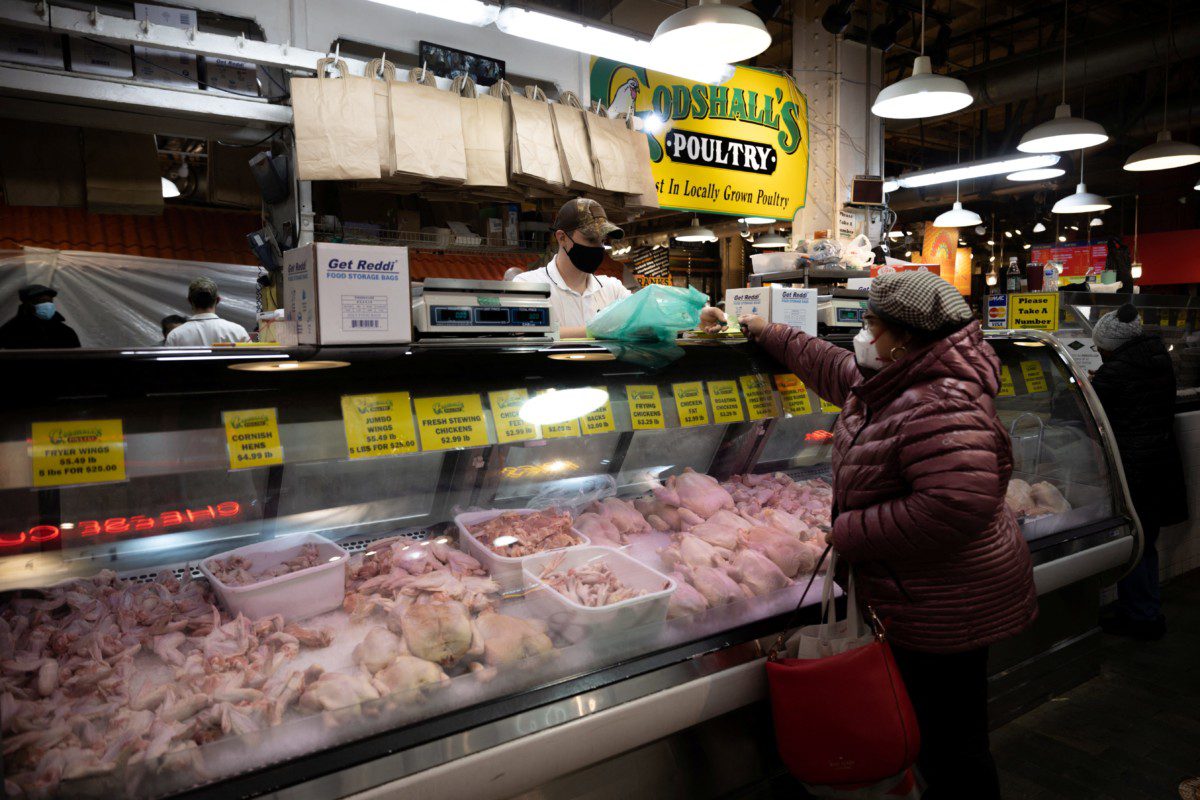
97, 531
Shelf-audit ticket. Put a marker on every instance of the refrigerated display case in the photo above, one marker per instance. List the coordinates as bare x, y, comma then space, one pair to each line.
124, 472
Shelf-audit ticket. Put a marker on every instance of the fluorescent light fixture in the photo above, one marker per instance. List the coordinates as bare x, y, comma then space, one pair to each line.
922, 94
957, 217
555, 406
1163, 154
891, 185
1039, 228
725, 33
1064, 132
770, 242
1082, 202
594, 40
758, 220
169, 189
468, 12
1042, 174
977, 169
275, 366
696, 233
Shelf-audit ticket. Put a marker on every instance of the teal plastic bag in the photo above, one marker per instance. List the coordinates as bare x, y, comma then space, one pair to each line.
653, 314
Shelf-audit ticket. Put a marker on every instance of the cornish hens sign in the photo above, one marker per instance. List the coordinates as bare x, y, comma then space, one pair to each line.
740, 148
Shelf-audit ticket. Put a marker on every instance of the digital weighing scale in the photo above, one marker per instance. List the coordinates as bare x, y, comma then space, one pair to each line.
841, 310
452, 307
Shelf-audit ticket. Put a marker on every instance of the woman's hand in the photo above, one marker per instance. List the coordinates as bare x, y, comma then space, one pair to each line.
713, 319
752, 325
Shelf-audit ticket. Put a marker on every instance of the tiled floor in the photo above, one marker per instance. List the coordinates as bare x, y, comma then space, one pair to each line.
1133, 733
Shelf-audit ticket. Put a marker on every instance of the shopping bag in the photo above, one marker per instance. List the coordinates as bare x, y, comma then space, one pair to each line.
842, 716
574, 148
642, 174
485, 124
534, 159
332, 143
427, 130
612, 151
382, 73
653, 314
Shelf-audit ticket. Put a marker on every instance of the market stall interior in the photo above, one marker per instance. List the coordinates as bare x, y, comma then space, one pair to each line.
410, 531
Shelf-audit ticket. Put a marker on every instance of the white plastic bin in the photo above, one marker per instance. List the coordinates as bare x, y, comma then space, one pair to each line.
297, 595
575, 622
779, 261
505, 570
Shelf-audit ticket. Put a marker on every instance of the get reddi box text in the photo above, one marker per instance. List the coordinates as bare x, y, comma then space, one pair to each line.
348, 294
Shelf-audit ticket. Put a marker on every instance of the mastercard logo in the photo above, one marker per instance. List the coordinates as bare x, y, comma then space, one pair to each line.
996, 313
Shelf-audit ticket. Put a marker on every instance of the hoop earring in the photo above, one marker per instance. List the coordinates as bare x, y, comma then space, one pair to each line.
892, 355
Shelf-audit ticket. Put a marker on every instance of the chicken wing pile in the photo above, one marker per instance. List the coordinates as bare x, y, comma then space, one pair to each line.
513, 535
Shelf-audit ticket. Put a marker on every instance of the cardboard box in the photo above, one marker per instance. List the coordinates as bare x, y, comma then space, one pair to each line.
495, 232
794, 307
348, 294
233, 76
35, 48
94, 58
164, 66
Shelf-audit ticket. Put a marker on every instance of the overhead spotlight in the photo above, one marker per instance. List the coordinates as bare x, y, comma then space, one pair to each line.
1073, 227
169, 189
1008, 234
1096, 222
837, 17
744, 229
1062, 238
992, 282
991, 242
908, 253
980, 230
1039, 228
1017, 231
1027, 245
991, 276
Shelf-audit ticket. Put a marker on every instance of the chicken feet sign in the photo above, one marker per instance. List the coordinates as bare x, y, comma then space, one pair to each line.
740, 148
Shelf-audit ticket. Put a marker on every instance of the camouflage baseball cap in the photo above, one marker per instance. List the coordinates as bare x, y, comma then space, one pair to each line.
203, 285
582, 214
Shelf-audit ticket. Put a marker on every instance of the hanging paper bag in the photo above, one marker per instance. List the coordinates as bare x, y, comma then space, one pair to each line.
382, 73
611, 151
574, 147
642, 173
427, 130
485, 125
535, 160
331, 141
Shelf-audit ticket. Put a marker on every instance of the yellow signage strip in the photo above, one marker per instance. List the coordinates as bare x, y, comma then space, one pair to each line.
378, 424
506, 415
830, 408
726, 402
689, 402
76, 451
760, 400
794, 394
601, 420
1035, 379
645, 407
252, 438
1036, 311
561, 430
451, 421
1006, 383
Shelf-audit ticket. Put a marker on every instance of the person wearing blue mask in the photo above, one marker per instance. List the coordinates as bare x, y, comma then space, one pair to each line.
37, 323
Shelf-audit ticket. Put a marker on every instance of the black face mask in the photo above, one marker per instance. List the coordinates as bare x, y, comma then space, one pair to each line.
584, 258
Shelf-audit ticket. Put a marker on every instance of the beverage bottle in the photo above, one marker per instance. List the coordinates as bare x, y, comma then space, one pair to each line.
1050, 277
1012, 278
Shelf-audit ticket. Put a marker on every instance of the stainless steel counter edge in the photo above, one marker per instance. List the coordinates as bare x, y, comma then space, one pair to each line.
502, 758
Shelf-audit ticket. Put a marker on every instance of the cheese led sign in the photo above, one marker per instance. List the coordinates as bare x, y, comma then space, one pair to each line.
102, 531
738, 148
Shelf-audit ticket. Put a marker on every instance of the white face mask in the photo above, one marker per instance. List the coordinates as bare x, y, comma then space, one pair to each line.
865, 352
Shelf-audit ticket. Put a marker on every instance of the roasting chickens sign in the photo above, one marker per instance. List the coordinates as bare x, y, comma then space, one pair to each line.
740, 148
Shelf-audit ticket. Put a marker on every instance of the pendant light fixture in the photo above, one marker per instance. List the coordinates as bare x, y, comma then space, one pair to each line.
957, 216
770, 241
1135, 268
1083, 201
1064, 132
722, 33
1039, 227
1164, 153
169, 189
696, 233
924, 93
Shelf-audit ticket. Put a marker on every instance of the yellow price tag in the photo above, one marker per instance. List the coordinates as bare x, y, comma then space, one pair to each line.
1035, 379
561, 430
726, 403
451, 421
1006, 383
760, 401
378, 424
830, 408
794, 394
1036, 311
252, 437
78, 451
506, 414
645, 407
689, 402
601, 420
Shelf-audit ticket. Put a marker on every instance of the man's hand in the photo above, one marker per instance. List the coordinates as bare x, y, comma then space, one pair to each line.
752, 325
712, 319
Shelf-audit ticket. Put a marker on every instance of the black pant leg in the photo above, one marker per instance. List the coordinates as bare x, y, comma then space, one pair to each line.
949, 694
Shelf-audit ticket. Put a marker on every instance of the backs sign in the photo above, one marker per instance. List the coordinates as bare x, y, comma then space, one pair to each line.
740, 148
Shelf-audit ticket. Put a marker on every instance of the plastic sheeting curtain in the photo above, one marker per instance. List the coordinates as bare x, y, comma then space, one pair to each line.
114, 300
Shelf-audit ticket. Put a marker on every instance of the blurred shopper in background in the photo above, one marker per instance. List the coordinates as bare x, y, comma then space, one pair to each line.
38, 323
204, 327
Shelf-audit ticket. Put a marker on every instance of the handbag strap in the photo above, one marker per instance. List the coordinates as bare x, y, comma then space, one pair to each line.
794, 619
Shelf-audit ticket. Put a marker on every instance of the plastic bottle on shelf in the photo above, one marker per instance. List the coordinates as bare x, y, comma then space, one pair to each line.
1012, 278
1050, 277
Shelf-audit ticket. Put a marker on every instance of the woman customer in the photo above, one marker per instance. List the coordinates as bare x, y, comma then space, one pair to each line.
920, 468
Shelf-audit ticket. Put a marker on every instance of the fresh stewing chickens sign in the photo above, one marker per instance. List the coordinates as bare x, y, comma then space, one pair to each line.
740, 148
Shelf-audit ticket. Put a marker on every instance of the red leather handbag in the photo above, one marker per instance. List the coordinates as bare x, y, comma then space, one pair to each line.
843, 719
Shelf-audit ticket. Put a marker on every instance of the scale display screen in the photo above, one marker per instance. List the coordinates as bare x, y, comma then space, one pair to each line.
850, 315
492, 316
451, 315
531, 316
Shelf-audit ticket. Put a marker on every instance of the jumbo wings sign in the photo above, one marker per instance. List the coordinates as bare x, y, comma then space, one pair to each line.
740, 148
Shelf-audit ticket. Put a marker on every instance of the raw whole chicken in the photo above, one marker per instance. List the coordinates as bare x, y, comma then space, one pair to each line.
698, 493
599, 529
781, 520
508, 639
714, 584
731, 519
337, 690
661, 516
685, 600
1019, 497
1047, 496
790, 555
692, 551
623, 515
378, 649
406, 674
716, 534
756, 572
437, 632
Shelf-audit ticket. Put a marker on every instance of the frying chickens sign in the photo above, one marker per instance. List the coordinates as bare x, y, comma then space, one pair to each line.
740, 148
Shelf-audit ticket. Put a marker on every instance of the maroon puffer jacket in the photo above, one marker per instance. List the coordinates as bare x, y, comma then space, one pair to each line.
920, 468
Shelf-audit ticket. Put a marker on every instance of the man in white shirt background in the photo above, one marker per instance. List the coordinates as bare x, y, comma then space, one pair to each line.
576, 293
204, 327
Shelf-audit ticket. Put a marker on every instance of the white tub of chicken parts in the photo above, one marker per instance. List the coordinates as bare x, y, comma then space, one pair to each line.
504, 569
560, 584
298, 576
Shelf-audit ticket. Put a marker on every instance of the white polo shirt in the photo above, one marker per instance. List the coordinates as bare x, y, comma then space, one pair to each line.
572, 309
201, 330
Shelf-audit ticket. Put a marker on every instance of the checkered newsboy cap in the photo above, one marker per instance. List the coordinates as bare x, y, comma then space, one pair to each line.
920, 301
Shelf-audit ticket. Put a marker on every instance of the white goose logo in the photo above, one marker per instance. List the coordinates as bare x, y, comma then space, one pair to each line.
625, 99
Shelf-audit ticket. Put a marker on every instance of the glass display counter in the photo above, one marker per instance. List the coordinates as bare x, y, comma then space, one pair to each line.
387, 612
